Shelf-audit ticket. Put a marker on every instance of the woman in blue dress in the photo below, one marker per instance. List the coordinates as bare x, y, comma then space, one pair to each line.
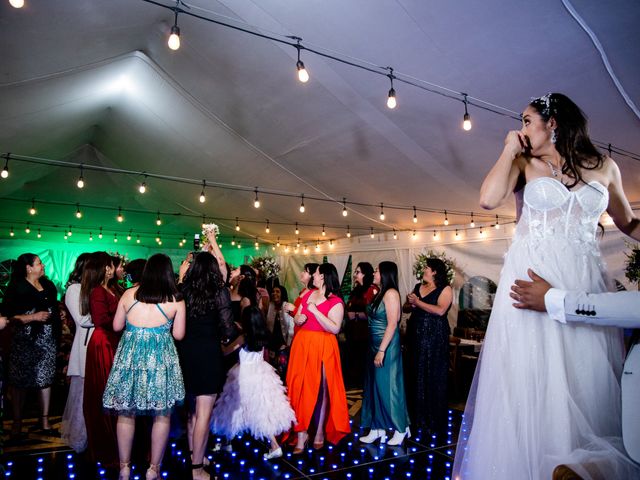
384, 404
146, 378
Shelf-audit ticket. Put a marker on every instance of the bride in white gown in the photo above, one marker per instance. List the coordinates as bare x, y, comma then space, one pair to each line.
547, 393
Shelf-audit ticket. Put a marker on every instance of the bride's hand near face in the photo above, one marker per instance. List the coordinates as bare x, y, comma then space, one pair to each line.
503, 176
515, 143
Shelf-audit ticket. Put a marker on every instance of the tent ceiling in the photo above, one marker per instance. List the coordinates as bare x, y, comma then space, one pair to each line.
94, 83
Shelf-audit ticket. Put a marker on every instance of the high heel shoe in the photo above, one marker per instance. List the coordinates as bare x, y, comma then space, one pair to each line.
275, 453
298, 450
373, 435
198, 472
152, 471
125, 471
398, 437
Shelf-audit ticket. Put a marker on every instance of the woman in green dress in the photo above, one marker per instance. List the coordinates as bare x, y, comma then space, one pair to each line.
384, 403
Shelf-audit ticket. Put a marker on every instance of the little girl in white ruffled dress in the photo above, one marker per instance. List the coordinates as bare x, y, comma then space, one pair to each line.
254, 399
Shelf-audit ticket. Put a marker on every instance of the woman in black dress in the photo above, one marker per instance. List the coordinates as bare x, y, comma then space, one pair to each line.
428, 347
31, 302
209, 320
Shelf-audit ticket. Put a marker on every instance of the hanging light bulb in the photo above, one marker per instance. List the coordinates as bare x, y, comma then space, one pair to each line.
415, 215
256, 244
202, 197
302, 203
267, 229
143, 186
303, 75
256, 201
28, 229
129, 235
286, 249
305, 250
481, 232
69, 232
78, 212
324, 234
138, 239
497, 225
330, 243
457, 234
371, 234
11, 233
239, 245
317, 246
278, 242
80, 183
395, 235
233, 241
466, 121
435, 235
472, 223
100, 233
391, 98
65, 236
158, 237
348, 231
5, 170
120, 218
237, 225
446, 219
381, 212
297, 229
158, 219
16, 3
413, 235
174, 37
32, 210
90, 236
39, 234
115, 238
344, 207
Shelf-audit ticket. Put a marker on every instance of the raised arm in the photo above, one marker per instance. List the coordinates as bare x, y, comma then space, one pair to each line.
619, 209
214, 250
503, 176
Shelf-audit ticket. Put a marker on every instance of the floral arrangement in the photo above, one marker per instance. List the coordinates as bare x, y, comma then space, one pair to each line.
268, 266
632, 272
208, 229
421, 262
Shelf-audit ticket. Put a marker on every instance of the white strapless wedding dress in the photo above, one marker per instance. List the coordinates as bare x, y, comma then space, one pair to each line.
546, 393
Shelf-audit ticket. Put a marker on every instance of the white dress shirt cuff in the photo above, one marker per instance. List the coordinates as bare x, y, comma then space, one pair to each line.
554, 302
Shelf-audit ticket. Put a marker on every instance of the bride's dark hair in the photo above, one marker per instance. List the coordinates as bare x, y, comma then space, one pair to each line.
572, 140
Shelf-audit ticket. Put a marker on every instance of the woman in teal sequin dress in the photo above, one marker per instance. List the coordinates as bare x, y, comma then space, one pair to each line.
384, 403
146, 378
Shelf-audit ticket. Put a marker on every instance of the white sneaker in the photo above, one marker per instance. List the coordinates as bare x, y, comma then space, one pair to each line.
398, 437
373, 435
277, 453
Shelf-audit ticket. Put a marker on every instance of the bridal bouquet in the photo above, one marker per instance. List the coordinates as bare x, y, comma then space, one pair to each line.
208, 229
267, 265
421, 262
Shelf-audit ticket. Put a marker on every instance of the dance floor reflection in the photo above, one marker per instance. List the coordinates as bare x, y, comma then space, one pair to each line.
423, 456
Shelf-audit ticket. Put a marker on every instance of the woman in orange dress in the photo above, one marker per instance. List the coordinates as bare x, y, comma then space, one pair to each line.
315, 374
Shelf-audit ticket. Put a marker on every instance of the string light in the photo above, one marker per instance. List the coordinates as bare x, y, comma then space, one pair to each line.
298, 243
239, 245
344, 207
39, 234
129, 235
158, 219
202, 197
138, 239
457, 234
466, 120
305, 250
120, 218
256, 202
348, 231
330, 243
435, 235
11, 234
158, 237
302, 203
237, 225
297, 229
28, 229
278, 242
317, 246
90, 236
472, 224
324, 234
497, 225
100, 234
446, 219
233, 241
371, 234
391, 98
481, 232
115, 238
303, 75
33, 210
395, 235
5, 170
413, 235
78, 212
69, 232
381, 212
16, 3
174, 37
80, 182
415, 215
267, 229
143, 186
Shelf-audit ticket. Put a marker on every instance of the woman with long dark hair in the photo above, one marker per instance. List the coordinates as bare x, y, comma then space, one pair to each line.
74, 430
547, 393
146, 378
209, 319
383, 401
314, 377
97, 300
31, 304
306, 278
428, 348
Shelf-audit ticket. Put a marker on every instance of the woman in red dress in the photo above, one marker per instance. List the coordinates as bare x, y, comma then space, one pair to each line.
96, 298
315, 374
306, 277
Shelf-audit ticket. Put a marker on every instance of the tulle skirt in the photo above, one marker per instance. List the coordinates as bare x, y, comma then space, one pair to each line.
74, 430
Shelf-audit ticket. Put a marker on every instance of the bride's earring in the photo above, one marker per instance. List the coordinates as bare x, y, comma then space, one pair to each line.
554, 137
